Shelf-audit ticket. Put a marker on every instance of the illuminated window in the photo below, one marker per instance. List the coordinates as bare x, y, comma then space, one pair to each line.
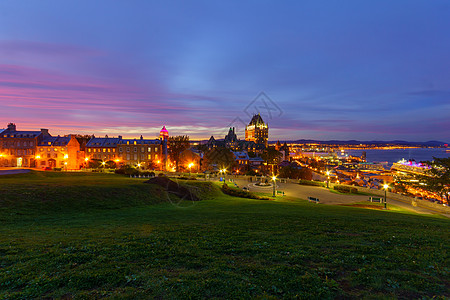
89, 150
114, 149
104, 150
149, 156
134, 142
109, 149
149, 149
128, 142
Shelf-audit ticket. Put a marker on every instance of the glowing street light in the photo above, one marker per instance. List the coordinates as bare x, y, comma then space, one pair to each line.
190, 166
224, 172
274, 179
328, 178
66, 156
385, 186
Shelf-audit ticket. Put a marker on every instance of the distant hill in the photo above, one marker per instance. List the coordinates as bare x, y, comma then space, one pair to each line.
379, 143
355, 142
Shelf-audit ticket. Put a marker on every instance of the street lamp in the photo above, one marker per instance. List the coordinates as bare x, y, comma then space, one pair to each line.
385, 186
190, 166
328, 177
224, 171
274, 179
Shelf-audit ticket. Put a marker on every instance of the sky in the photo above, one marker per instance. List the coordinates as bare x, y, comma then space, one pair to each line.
364, 70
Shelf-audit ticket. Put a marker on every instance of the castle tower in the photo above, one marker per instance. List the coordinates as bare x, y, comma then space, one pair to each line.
164, 136
257, 131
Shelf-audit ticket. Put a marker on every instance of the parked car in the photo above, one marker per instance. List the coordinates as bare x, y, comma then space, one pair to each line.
47, 168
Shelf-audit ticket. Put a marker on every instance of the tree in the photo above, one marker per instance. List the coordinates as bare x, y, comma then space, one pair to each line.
291, 170
177, 144
306, 174
271, 156
220, 156
437, 178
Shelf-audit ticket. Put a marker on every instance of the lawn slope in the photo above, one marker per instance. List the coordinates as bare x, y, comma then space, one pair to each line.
95, 235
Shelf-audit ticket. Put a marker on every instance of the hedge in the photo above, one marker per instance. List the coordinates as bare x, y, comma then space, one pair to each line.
345, 189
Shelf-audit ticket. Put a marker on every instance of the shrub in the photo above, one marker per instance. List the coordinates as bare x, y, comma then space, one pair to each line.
56, 169
309, 182
345, 189
242, 194
127, 170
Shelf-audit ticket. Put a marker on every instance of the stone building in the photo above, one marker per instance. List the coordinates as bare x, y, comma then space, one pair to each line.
59, 152
104, 149
142, 153
18, 148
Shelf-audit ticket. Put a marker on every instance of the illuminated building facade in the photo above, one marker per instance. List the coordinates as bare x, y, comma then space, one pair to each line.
59, 152
18, 148
257, 131
144, 153
104, 149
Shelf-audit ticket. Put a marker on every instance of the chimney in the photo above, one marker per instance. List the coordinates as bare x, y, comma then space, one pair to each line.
44, 131
120, 137
12, 127
142, 137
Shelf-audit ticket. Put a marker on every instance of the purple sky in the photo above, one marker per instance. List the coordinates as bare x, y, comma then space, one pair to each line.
330, 69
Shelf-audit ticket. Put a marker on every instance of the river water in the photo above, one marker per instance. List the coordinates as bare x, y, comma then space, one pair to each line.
394, 155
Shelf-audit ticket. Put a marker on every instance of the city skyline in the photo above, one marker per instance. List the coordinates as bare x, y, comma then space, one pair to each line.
334, 70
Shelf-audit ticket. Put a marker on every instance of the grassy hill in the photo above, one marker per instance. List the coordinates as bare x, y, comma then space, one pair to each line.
97, 235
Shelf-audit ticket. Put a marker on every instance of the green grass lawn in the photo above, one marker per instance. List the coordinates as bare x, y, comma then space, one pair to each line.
99, 235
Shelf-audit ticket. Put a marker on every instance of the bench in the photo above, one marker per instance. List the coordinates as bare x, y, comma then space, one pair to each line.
312, 199
376, 199
280, 192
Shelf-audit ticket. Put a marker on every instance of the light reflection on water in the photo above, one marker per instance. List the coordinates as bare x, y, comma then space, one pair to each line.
394, 155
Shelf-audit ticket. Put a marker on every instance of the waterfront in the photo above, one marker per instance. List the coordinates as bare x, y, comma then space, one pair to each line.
394, 155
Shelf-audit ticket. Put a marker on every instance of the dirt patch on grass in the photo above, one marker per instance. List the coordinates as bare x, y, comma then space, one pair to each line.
174, 188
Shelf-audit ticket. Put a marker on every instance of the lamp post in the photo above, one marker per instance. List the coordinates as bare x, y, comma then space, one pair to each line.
328, 178
274, 179
190, 166
224, 174
385, 186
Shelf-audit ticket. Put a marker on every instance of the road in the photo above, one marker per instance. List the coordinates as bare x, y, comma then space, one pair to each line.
9, 171
325, 196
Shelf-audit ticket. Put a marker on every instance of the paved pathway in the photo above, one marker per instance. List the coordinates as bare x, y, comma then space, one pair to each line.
324, 195
9, 171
